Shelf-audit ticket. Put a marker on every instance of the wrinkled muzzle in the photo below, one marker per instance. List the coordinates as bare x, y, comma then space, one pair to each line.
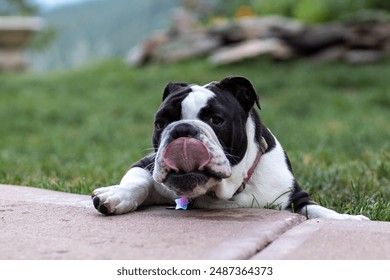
190, 159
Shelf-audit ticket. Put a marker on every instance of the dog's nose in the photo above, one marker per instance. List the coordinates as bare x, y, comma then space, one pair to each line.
186, 154
183, 130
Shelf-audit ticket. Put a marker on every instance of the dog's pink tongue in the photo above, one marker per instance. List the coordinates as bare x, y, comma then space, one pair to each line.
186, 154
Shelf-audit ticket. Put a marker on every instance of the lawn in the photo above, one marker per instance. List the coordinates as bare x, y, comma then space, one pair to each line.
76, 130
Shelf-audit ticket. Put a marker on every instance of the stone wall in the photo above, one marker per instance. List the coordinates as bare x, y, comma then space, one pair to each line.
251, 37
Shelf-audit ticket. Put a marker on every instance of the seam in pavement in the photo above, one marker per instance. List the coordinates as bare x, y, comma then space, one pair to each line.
267, 253
293, 223
252, 244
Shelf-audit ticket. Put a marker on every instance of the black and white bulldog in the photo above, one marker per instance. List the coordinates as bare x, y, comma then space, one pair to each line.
211, 148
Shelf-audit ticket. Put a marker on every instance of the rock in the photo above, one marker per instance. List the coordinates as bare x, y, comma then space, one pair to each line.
368, 35
229, 41
314, 39
187, 46
247, 28
136, 56
143, 53
362, 56
386, 47
251, 48
333, 53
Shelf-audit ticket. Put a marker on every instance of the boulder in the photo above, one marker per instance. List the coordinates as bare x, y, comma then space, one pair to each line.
314, 39
250, 49
187, 46
247, 28
333, 53
368, 36
229, 41
144, 52
386, 47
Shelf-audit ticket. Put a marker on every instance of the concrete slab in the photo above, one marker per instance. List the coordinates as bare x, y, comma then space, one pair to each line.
42, 224
332, 239
36, 195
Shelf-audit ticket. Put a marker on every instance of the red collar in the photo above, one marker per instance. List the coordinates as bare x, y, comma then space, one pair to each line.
252, 169
262, 149
250, 173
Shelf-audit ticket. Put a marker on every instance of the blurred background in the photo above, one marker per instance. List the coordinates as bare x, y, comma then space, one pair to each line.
72, 33
80, 81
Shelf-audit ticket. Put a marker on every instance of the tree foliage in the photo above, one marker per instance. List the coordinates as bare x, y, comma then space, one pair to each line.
308, 11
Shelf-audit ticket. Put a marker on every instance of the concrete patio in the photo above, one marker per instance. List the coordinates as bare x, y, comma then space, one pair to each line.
42, 224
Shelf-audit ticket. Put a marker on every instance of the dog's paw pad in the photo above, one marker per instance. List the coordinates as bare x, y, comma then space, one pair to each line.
102, 202
96, 202
104, 210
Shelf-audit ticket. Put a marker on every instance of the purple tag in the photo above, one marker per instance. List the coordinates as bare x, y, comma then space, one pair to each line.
182, 203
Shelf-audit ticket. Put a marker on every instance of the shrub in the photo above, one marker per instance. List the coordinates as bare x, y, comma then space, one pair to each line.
307, 11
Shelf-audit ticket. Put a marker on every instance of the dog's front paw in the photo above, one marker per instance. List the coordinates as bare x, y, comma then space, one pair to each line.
114, 200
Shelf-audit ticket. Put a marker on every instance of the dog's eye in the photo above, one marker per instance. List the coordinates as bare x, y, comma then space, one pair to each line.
159, 124
216, 120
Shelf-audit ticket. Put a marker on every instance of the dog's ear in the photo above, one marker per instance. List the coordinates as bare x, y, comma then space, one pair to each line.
171, 87
242, 90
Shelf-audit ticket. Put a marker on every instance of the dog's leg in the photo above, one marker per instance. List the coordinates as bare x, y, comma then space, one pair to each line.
315, 211
127, 196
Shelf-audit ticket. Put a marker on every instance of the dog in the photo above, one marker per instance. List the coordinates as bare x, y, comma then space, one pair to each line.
211, 148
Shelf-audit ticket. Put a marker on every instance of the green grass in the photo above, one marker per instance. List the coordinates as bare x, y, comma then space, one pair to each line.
74, 131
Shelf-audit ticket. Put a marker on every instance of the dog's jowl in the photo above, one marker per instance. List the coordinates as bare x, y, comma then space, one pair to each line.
211, 147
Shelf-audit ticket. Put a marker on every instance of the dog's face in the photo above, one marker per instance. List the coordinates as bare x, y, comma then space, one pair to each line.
200, 134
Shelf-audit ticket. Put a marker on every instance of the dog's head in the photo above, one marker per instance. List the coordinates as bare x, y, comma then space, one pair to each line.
200, 134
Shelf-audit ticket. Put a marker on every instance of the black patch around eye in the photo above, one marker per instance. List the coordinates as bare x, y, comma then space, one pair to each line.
159, 124
216, 120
